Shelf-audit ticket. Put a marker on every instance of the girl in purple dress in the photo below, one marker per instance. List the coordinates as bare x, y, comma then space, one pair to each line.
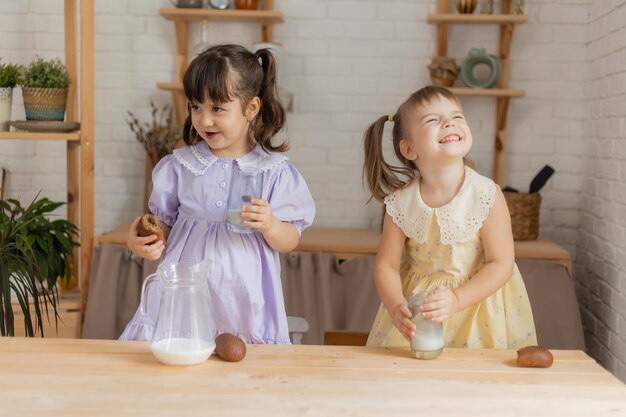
233, 114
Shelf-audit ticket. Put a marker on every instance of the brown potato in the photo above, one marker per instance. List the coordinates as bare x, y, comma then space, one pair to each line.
150, 225
534, 357
229, 347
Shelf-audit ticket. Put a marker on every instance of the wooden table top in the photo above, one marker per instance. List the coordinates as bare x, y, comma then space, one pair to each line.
348, 243
73, 377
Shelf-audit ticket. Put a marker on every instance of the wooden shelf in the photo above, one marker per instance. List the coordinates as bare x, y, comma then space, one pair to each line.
487, 92
191, 14
170, 86
70, 136
78, 21
502, 93
181, 18
68, 307
477, 18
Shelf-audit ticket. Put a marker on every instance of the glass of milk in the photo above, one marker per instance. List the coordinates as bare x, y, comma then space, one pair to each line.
246, 183
428, 340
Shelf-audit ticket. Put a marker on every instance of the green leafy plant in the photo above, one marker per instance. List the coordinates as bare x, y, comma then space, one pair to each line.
9, 75
45, 74
35, 253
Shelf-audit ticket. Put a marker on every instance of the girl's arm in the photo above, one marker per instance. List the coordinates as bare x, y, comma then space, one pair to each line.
281, 236
139, 245
497, 238
387, 276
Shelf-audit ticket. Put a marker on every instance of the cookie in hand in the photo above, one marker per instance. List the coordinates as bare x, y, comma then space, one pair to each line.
150, 225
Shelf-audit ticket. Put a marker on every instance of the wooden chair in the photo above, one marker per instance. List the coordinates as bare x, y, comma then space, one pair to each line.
297, 327
345, 338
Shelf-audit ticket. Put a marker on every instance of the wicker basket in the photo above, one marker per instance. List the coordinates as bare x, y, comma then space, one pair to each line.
44, 103
524, 209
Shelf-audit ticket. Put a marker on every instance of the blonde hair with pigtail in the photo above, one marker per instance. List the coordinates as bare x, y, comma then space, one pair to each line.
381, 177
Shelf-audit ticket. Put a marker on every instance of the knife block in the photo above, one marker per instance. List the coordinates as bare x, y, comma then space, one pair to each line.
524, 209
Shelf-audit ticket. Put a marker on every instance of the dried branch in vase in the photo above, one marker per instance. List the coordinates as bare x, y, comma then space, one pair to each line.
158, 138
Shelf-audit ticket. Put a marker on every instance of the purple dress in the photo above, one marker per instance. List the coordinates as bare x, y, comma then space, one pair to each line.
190, 193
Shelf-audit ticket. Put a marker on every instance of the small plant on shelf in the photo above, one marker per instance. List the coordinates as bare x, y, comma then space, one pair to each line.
43, 73
44, 88
9, 76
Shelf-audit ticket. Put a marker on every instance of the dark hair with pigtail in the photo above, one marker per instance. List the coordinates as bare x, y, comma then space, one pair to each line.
383, 178
225, 72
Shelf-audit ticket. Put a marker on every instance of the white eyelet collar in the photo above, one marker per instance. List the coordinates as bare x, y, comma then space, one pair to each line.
198, 158
459, 220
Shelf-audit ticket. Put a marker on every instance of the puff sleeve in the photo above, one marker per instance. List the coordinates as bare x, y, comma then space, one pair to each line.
164, 201
289, 197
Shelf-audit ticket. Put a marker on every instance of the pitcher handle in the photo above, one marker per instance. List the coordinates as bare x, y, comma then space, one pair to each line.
144, 291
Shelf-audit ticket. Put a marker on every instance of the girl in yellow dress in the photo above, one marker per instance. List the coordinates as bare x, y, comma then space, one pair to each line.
446, 231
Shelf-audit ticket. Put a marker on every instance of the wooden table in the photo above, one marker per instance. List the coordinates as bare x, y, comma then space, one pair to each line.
66, 377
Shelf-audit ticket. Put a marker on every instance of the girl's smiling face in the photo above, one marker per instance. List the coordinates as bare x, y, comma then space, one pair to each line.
225, 126
437, 132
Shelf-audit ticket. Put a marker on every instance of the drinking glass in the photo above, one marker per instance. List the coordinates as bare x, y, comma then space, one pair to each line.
428, 340
246, 183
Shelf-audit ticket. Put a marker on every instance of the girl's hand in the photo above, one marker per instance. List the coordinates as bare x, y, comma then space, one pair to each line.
258, 215
139, 245
440, 304
401, 316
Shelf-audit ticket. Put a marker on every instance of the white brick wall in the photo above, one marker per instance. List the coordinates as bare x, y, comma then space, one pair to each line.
600, 270
347, 62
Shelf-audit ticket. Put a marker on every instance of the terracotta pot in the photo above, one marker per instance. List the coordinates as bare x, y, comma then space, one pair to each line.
247, 4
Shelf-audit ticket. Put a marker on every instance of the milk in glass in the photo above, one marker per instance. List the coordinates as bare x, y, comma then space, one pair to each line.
428, 340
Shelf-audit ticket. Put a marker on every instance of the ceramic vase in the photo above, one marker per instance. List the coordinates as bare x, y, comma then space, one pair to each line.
6, 98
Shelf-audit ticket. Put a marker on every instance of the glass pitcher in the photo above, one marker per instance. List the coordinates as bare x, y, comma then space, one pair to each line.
183, 332
428, 340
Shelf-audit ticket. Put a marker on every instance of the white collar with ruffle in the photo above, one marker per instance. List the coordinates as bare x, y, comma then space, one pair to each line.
198, 157
458, 220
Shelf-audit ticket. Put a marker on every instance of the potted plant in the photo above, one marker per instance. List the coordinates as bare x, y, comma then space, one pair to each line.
35, 253
9, 76
44, 88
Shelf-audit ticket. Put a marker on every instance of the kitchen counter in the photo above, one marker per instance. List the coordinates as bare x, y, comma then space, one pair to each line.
73, 377
350, 243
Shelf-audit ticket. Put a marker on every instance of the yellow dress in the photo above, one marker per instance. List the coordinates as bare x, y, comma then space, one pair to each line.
444, 247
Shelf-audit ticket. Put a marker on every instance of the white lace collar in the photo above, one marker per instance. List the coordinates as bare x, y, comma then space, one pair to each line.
459, 220
198, 158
